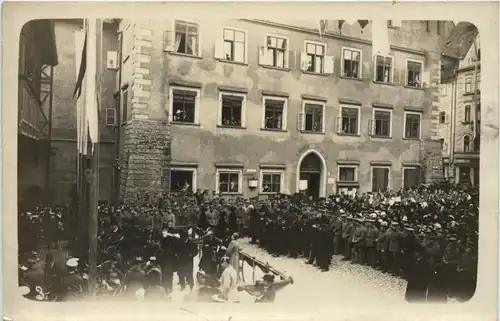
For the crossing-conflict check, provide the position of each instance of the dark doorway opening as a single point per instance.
(179, 179)
(310, 170)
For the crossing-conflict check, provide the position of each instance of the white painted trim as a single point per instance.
(271, 171)
(325, 47)
(359, 115)
(389, 179)
(360, 73)
(229, 170)
(314, 102)
(196, 104)
(246, 40)
(287, 49)
(391, 81)
(404, 124)
(243, 106)
(285, 110)
(421, 62)
(403, 173)
(356, 170)
(188, 169)
(198, 54)
(374, 122)
(323, 176)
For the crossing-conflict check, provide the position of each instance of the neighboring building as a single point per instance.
(220, 105)
(37, 56)
(63, 169)
(460, 130)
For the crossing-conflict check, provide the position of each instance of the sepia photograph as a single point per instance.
(243, 161)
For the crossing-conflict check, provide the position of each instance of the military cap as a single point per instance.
(72, 262)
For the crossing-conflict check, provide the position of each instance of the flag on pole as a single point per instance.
(323, 23)
(79, 92)
(380, 38)
(91, 82)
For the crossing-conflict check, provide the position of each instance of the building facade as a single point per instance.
(247, 107)
(63, 138)
(37, 57)
(460, 111)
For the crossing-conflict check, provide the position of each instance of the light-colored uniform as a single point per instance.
(229, 284)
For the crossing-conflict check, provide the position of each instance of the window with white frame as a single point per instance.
(349, 119)
(275, 110)
(347, 174)
(232, 109)
(229, 181)
(381, 126)
(414, 73)
(234, 45)
(184, 105)
(315, 53)
(271, 181)
(186, 38)
(383, 69)
(182, 179)
(412, 125)
(276, 51)
(380, 178)
(467, 114)
(313, 117)
(468, 85)
(351, 63)
(411, 177)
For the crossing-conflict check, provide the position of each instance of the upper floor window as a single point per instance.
(315, 56)
(232, 109)
(312, 117)
(414, 73)
(467, 144)
(349, 120)
(468, 85)
(275, 111)
(277, 51)
(184, 105)
(467, 115)
(186, 38)
(229, 181)
(234, 45)
(110, 116)
(381, 123)
(383, 69)
(442, 117)
(351, 63)
(412, 125)
(271, 181)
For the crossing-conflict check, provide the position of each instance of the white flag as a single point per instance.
(322, 26)
(380, 38)
(82, 124)
(91, 83)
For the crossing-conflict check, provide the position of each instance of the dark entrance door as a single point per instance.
(310, 170)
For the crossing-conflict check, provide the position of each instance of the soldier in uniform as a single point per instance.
(451, 259)
(393, 245)
(337, 234)
(381, 246)
(347, 230)
(186, 252)
(372, 234)
(73, 283)
(358, 241)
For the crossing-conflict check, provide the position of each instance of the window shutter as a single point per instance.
(339, 125)
(365, 69)
(171, 107)
(262, 56)
(168, 41)
(287, 59)
(337, 65)
(219, 117)
(300, 121)
(219, 48)
(405, 76)
(291, 59)
(303, 61)
(197, 110)
(371, 127)
(243, 113)
(240, 182)
(426, 79)
(217, 182)
(329, 67)
(396, 76)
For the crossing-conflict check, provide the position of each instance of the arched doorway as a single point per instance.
(311, 168)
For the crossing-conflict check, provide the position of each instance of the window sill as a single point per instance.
(232, 62)
(184, 55)
(347, 184)
(467, 123)
(274, 130)
(350, 78)
(381, 137)
(269, 193)
(321, 74)
(310, 132)
(469, 94)
(383, 83)
(230, 127)
(412, 87)
(276, 68)
(416, 138)
(346, 134)
(231, 194)
(184, 124)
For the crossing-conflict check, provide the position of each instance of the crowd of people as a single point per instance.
(427, 235)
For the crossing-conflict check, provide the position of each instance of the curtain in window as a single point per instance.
(178, 39)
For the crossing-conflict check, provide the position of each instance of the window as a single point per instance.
(464, 175)
(349, 119)
(234, 45)
(413, 73)
(183, 179)
(351, 63)
(186, 38)
(271, 181)
(347, 174)
(383, 69)
(467, 144)
(184, 105)
(467, 114)
(232, 110)
(229, 181)
(382, 123)
(468, 85)
(276, 48)
(313, 117)
(442, 117)
(412, 125)
(275, 113)
(110, 116)
(380, 179)
(315, 56)
(411, 177)
(126, 112)
(443, 90)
